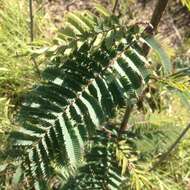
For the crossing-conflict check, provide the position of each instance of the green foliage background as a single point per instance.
(152, 133)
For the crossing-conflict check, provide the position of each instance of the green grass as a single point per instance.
(17, 70)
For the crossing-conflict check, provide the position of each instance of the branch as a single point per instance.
(158, 13)
(172, 147)
(115, 6)
(124, 124)
(155, 20)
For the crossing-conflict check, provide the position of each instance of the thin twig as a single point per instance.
(32, 35)
(115, 6)
(172, 147)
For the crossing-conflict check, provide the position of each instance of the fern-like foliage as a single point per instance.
(123, 163)
(80, 91)
(101, 170)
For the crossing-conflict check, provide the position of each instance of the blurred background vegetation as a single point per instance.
(18, 70)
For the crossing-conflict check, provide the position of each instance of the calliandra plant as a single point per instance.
(98, 68)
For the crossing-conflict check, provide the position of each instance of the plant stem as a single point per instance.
(158, 13)
(32, 35)
(171, 148)
(31, 21)
(124, 124)
(155, 20)
(115, 6)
